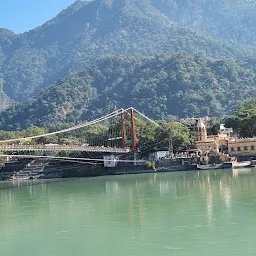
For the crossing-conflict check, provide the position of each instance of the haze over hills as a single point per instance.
(86, 31)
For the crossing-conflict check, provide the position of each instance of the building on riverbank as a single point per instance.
(212, 144)
(223, 142)
(242, 147)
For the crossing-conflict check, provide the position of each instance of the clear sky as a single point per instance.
(23, 15)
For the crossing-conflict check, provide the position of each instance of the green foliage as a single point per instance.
(244, 120)
(67, 99)
(177, 132)
(221, 18)
(150, 137)
(86, 31)
(4, 101)
(160, 86)
(158, 138)
(93, 134)
(213, 126)
(248, 104)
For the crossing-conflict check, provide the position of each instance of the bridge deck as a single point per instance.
(72, 148)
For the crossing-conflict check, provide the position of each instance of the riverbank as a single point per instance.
(50, 169)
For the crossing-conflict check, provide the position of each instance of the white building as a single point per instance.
(224, 130)
(158, 155)
(110, 161)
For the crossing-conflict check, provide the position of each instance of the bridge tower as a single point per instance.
(133, 130)
(133, 135)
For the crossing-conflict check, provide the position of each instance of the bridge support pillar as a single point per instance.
(133, 129)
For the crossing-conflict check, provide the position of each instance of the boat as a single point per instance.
(209, 166)
(23, 177)
(235, 164)
(243, 164)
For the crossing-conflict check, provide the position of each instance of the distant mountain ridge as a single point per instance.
(86, 31)
(228, 19)
(79, 36)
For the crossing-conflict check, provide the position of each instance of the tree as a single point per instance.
(244, 120)
(158, 138)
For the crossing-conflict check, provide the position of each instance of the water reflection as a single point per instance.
(209, 203)
(173, 206)
(129, 188)
(237, 172)
(180, 189)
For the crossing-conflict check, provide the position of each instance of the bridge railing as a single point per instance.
(62, 148)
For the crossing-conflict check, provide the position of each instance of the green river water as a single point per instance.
(185, 213)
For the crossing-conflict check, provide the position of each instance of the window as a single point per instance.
(245, 148)
(232, 149)
(252, 148)
(238, 149)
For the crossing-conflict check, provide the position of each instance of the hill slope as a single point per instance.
(159, 86)
(86, 31)
(228, 19)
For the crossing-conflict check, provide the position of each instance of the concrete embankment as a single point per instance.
(7, 170)
(49, 169)
(85, 170)
(175, 165)
(6, 175)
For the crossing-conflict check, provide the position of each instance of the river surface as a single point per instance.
(185, 213)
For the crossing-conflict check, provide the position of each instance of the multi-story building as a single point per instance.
(242, 147)
(214, 144)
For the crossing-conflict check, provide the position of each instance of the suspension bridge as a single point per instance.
(114, 133)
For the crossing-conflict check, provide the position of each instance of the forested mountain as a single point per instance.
(180, 85)
(3, 98)
(228, 19)
(86, 31)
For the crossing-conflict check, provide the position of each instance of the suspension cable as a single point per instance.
(115, 113)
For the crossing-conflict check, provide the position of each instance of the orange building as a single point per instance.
(214, 144)
(210, 144)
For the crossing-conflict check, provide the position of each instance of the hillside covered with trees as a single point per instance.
(150, 137)
(86, 31)
(160, 86)
(164, 57)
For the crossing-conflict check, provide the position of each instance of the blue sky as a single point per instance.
(23, 15)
